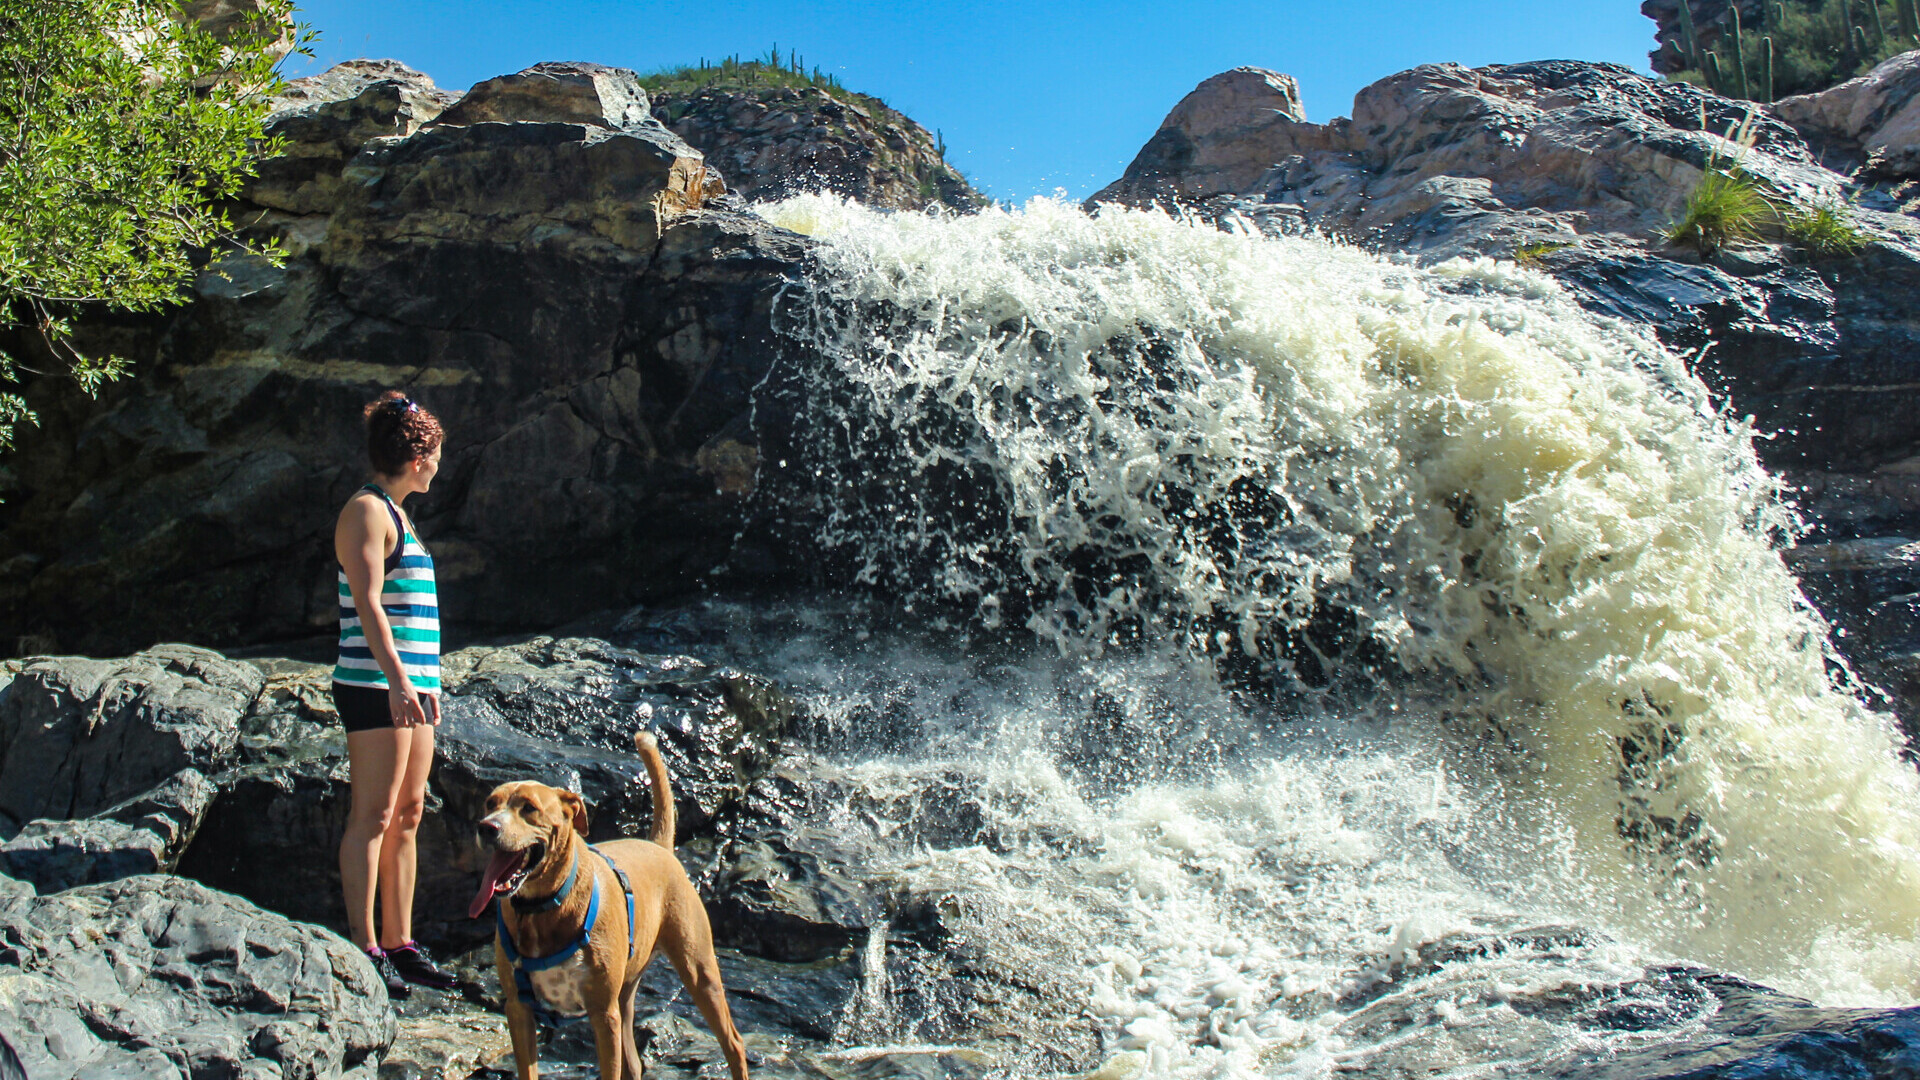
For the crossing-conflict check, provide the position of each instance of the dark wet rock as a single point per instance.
(1412, 1009)
(1870, 588)
(163, 977)
(451, 1034)
(144, 835)
(590, 337)
(78, 736)
(1758, 1034)
(560, 711)
(787, 904)
(720, 729)
(779, 141)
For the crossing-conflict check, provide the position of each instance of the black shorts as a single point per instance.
(362, 708)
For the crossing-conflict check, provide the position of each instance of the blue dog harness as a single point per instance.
(524, 965)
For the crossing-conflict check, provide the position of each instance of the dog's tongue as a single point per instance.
(493, 881)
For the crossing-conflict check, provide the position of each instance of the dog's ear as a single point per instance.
(576, 806)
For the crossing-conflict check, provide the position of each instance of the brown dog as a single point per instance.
(548, 879)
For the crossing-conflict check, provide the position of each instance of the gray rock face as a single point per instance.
(78, 736)
(556, 93)
(1443, 160)
(588, 333)
(145, 835)
(326, 118)
(1872, 121)
(772, 143)
(163, 977)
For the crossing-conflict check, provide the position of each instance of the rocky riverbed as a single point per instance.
(124, 956)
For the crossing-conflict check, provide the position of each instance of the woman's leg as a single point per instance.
(397, 848)
(375, 762)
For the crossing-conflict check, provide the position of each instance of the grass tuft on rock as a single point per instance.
(1824, 229)
(1725, 207)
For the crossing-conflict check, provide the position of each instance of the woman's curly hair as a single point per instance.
(399, 430)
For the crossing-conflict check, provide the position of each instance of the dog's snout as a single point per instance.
(489, 829)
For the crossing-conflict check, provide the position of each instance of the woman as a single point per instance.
(387, 687)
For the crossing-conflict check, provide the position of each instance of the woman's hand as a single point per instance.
(403, 704)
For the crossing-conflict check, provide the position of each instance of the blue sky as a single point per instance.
(1030, 96)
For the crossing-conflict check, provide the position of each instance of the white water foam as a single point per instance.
(1624, 714)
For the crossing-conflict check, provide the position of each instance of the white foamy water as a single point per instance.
(1503, 557)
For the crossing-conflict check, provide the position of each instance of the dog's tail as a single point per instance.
(663, 815)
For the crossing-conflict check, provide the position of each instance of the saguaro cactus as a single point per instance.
(1689, 39)
(1740, 54)
(1767, 44)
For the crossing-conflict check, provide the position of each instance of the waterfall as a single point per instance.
(1488, 590)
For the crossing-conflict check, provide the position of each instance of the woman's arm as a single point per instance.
(360, 543)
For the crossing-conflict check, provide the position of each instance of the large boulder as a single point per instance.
(1221, 137)
(162, 977)
(556, 290)
(777, 141)
(563, 93)
(78, 736)
(1873, 121)
(324, 119)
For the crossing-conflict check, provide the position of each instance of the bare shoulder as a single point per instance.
(363, 513)
(363, 528)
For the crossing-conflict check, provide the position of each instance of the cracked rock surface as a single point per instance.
(163, 977)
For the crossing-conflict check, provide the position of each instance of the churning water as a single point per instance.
(1370, 605)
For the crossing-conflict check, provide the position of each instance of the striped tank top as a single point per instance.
(412, 607)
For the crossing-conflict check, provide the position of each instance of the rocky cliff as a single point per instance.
(539, 260)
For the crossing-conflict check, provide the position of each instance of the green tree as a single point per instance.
(122, 128)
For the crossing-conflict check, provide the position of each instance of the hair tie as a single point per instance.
(404, 404)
